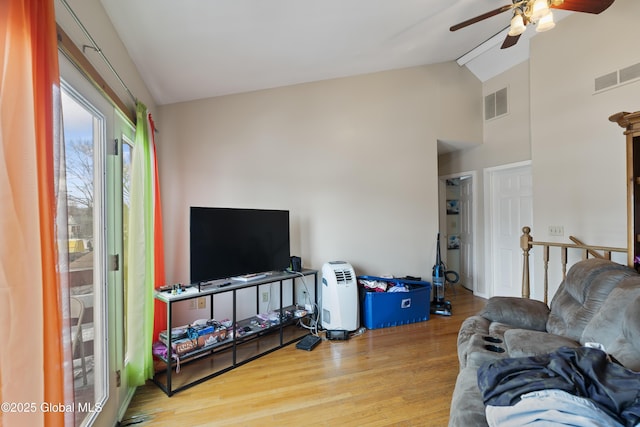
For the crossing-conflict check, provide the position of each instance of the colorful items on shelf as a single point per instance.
(185, 339)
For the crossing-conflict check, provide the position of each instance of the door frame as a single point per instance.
(442, 212)
(489, 191)
(108, 164)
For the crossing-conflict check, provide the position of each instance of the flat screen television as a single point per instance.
(229, 242)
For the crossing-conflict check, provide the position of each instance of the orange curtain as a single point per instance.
(33, 355)
(160, 308)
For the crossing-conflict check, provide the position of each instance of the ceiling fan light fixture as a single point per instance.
(517, 26)
(545, 23)
(539, 9)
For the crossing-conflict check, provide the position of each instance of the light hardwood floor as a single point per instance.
(400, 376)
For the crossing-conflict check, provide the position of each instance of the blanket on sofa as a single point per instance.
(582, 372)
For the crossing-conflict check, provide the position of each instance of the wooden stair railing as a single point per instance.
(593, 253)
(527, 243)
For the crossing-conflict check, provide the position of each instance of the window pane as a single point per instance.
(82, 130)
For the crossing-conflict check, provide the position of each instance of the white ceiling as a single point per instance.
(192, 49)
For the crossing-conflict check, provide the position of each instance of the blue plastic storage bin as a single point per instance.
(385, 309)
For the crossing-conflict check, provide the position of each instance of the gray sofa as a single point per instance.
(598, 301)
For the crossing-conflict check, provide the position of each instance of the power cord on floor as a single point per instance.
(313, 326)
(133, 420)
(361, 330)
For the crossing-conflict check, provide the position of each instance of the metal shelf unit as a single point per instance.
(235, 350)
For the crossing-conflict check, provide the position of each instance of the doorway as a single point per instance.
(457, 225)
(95, 134)
(509, 193)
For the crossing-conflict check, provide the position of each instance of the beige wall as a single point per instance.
(571, 131)
(556, 121)
(578, 156)
(353, 159)
(506, 139)
(459, 103)
(95, 19)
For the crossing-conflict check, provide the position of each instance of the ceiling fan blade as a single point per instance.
(586, 6)
(482, 17)
(510, 41)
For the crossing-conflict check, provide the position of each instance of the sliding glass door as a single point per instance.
(94, 134)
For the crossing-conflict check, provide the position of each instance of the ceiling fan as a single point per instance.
(536, 12)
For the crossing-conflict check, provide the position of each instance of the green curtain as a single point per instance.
(140, 275)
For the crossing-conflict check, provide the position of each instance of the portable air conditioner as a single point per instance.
(340, 309)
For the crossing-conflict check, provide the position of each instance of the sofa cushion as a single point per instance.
(524, 343)
(627, 346)
(497, 329)
(581, 293)
(486, 352)
(517, 312)
(586, 307)
(617, 324)
(467, 407)
(471, 326)
(476, 334)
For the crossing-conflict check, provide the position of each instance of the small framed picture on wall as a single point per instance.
(453, 242)
(452, 207)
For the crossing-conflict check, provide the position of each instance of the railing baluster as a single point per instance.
(563, 259)
(545, 258)
(579, 242)
(527, 243)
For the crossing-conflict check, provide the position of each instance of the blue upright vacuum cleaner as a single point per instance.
(440, 276)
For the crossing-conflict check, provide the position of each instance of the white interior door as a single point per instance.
(458, 225)
(510, 208)
(466, 232)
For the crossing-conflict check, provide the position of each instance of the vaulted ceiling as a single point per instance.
(192, 49)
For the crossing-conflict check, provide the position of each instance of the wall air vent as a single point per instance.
(617, 78)
(630, 73)
(606, 81)
(496, 104)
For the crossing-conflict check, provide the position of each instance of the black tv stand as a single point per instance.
(237, 348)
(249, 277)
